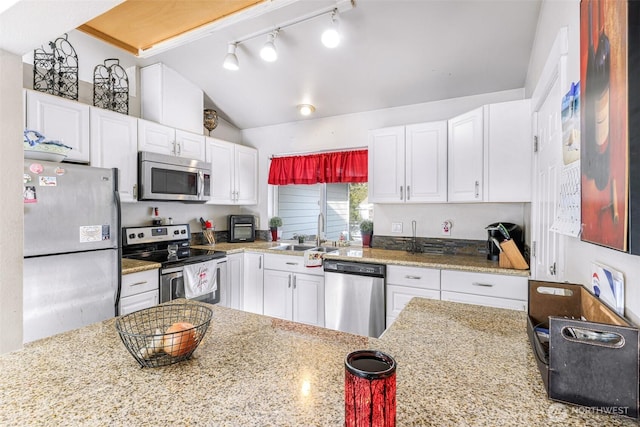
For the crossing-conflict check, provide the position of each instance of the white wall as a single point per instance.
(11, 214)
(555, 14)
(135, 214)
(350, 130)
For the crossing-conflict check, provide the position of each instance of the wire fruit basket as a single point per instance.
(165, 334)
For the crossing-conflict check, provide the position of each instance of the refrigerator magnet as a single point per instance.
(26, 178)
(48, 181)
(29, 194)
(60, 171)
(36, 168)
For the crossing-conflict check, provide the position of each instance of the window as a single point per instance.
(343, 206)
(331, 183)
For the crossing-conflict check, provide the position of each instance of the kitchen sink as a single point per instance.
(302, 248)
(294, 248)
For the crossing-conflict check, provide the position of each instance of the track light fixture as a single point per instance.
(330, 37)
(268, 51)
(231, 60)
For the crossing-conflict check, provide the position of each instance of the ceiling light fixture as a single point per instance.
(231, 60)
(331, 36)
(306, 109)
(268, 51)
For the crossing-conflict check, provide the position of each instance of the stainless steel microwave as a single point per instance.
(164, 177)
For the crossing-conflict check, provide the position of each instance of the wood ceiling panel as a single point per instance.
(136, 25)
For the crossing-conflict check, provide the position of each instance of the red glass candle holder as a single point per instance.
(369, 389)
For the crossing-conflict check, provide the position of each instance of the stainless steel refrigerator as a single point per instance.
(72, 251)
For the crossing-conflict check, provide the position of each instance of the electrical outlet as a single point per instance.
(446, 228)
(396, 227)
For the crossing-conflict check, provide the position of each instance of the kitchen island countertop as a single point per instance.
(478, 264)
(458, 364)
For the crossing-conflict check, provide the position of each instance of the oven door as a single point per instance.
(172, 284)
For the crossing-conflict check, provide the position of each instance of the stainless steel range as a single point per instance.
(169, 246)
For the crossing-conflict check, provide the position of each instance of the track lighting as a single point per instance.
(331, 36)
(268, 51)
(306, 109)
(231, 60)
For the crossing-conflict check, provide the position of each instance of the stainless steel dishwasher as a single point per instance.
(354, 297)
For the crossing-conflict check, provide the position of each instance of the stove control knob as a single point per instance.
(141, 235)
(183, 231)
(176, 232)
(132, 236)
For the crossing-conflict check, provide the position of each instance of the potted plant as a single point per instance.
(366, 230)
(274, 223)
(300, 237)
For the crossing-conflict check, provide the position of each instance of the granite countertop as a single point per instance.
(478, 264)
(458, 365)
(130, 266)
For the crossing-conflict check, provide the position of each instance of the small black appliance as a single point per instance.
(495, 236)
(242, 228)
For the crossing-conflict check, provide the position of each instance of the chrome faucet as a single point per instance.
(320, 228)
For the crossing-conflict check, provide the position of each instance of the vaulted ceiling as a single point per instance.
(393, 52)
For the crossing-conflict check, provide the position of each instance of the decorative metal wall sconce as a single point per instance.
(210, 119)
(56, 72)
(111, 86)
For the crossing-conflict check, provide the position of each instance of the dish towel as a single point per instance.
(200, 279)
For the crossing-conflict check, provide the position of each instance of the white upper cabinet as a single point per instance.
(465, 157)
(408, 164)
(508, 152)
(426, 162)
(158, 138)
(62, 120)
(386, 165)
(190, 145)
(234, 173)
(170, 99)
(114, 145)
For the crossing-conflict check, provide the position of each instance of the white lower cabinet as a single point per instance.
(293, 291)
(404, 283)
(493, 290)
(139, 290)
(253, 282)
(234, 298)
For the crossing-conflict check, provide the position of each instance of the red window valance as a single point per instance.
(333, 167)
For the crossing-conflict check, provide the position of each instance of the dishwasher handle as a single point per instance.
(354, 268)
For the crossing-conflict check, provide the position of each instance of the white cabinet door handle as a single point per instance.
(484, 285)
(139, 283)
(413, 277)
(477, 189)
(408, 192)
(294, 281)
(289, 285)
(401, 196)
(292, 263)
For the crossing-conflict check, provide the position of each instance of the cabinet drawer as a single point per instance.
(512, 304)
(290, 263)
(399, 296)
(139, 301)
(492, 285)
(416, 277)
(136, 283)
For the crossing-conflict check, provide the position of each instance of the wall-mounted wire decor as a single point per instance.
(111, 86)
(56, 72)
